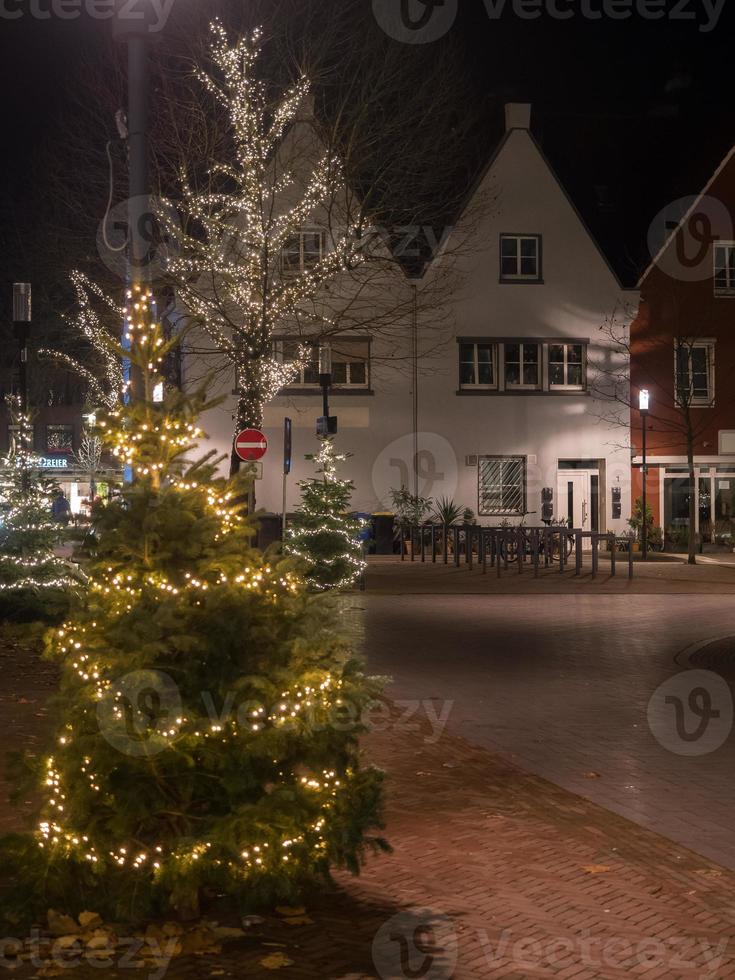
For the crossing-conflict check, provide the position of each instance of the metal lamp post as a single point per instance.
(644, 404)
(22, 326)
(326, 425)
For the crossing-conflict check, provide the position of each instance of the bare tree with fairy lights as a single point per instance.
(278, 251)
(230, 275)
(96, 322)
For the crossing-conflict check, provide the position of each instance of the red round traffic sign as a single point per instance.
(250, 445)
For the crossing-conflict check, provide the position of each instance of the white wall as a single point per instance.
(578, 293)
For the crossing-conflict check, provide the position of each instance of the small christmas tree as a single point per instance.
(208, 742)
(324, 535)
(33, 579)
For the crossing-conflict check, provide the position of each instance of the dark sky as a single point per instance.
(629, 111)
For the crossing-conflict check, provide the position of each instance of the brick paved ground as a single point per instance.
(390, 576)
(561, 685)
(517, 877)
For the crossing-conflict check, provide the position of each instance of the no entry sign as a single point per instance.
(250, 445)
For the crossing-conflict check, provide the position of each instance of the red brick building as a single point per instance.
(683, 352)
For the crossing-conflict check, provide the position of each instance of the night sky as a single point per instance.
(631, 113)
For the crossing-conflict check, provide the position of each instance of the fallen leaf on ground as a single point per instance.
(90, 920)
(592, 775)
(276, 961)
(709, 872)
(287, 911)
(225, 933)
(596, 869)
(51, 970)
(61, 925)
(299, 920)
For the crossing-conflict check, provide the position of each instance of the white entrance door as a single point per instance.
(574, 500)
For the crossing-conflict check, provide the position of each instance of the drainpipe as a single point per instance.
(415, 367)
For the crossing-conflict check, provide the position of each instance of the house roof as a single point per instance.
(620, 172)
(688, 213)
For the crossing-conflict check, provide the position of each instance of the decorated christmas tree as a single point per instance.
(207, 742)
(33, 580)
(323, 535)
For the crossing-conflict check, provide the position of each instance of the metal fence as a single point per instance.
(506, 548)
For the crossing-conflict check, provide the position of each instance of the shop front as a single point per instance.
(714, 492)
(79, 485)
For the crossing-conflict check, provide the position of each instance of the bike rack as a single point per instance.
(494, 546)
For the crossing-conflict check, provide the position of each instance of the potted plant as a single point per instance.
(447, 513)
(635, 521)
(410, 510)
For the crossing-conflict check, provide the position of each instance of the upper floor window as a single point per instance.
(60, 438)
(350, 362)
(302, 252)
(478, 365)
(520, 258)
(522, 366)
(566, 365)
(695, 381)
(724, 268)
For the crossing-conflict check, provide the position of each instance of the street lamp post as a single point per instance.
(133, 28)
(327, 424)
(22, 326)
(644, 404)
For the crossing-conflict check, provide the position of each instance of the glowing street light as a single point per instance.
(644, 404)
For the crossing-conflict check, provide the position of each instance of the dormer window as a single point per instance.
(520, 258)
(302, 252)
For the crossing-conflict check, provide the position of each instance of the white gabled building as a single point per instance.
(501, 417)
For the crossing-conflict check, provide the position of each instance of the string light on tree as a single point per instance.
(149, 802)
(229, 275)
(28, 534)
(323, 534)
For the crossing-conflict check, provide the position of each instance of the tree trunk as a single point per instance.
(692, 499)
(249, 405)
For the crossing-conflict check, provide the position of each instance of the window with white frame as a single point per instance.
(694, 365)
(566, 366)
(302, 252)
(350, 362)
(724, 253)
(478, 365)
(520, 258)
(522, 365)
(502, 488)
